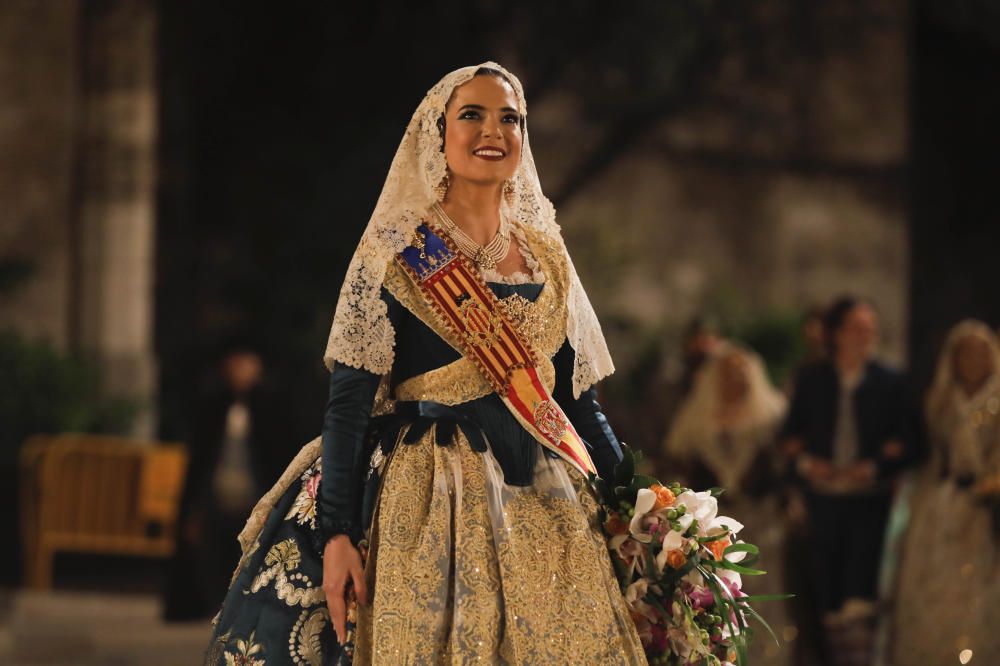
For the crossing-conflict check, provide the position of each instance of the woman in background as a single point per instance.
(949, 596)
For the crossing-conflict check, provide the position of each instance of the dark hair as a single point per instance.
(482, 71)
(835, 315)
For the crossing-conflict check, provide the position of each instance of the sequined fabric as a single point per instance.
(464, 568)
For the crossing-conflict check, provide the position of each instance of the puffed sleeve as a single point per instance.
(585, 414)
(344, 465)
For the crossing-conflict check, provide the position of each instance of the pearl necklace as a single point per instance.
(485, 256)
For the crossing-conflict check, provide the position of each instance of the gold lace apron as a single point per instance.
(463, 567)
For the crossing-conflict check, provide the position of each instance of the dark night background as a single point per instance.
(179, 176)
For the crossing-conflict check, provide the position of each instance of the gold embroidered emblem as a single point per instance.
(522, 313)
(481, 327)
(549, 421)
(419, 243)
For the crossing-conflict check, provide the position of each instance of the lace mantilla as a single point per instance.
(361, 335)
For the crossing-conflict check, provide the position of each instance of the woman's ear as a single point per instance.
(441, 127)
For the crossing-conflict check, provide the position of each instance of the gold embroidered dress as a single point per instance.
(483, 545)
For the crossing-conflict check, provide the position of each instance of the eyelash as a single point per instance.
(474, 115)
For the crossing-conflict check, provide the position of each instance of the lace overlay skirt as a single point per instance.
(465, 568)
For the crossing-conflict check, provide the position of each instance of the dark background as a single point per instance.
(277, 128)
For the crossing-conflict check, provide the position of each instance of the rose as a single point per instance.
(676, 558)
(664, 497)
(615, 525)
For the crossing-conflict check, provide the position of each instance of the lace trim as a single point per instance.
(361, 335)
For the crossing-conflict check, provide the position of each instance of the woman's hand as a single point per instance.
(342, 567)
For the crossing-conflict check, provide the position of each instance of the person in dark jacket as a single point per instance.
(237, 450)
(849, 432)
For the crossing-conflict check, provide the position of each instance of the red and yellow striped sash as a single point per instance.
(468, 307)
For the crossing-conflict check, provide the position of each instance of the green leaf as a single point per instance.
(742, 548)
(755, 615)
(625, 470)
(640, 481)
(717, 537)
(746, 571)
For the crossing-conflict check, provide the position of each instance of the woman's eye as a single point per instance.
(511, 118)
(469, 115)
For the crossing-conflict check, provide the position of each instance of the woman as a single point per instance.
(725, 429)
(949, 561)
(724, 436)
(461, 311)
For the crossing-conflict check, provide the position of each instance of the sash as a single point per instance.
(470, 309)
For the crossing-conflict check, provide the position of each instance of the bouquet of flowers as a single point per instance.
(680, 567)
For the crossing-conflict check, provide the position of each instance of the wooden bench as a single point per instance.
(97, 494)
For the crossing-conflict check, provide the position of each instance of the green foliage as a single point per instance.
(44, 391)
(776, 336)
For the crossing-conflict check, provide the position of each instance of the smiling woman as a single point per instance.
(445, 514)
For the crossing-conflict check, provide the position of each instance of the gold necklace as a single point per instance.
(485, 256)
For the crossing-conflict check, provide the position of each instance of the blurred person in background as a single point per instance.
(725, 428)
(699, 341)
(850, 430)
(724, 435)
(949, 584)
(236, 453)
(813, 335)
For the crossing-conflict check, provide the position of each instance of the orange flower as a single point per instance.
(664, 496)
(719, 547)
(615, 525)
(676, 558)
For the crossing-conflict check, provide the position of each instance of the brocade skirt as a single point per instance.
(462, 568)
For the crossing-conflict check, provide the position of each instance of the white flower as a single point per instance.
(644, 502)
(719, 522)
(636, 591)
(731, 576)
(672, 541)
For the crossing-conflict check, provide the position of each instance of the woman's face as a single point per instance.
(973, 362)
(482, 138)
(734, 377)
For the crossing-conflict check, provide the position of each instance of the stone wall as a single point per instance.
(782, 190)
(77, 140)
(38, 116)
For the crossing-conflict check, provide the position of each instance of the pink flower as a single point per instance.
(312, 484)
(701, 597)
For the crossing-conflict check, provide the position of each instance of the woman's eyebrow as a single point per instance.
(480, 107)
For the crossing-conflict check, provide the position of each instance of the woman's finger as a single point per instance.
(338, 613)
(360, 590)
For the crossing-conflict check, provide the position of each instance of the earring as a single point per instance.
(508, 191)
(441, 189)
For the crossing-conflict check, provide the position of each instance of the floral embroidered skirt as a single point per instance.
(462, 568)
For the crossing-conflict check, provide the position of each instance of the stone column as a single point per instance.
(114, 227)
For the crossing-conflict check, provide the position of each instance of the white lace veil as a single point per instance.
(945, 382)
(362, 336)
(696, 418)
